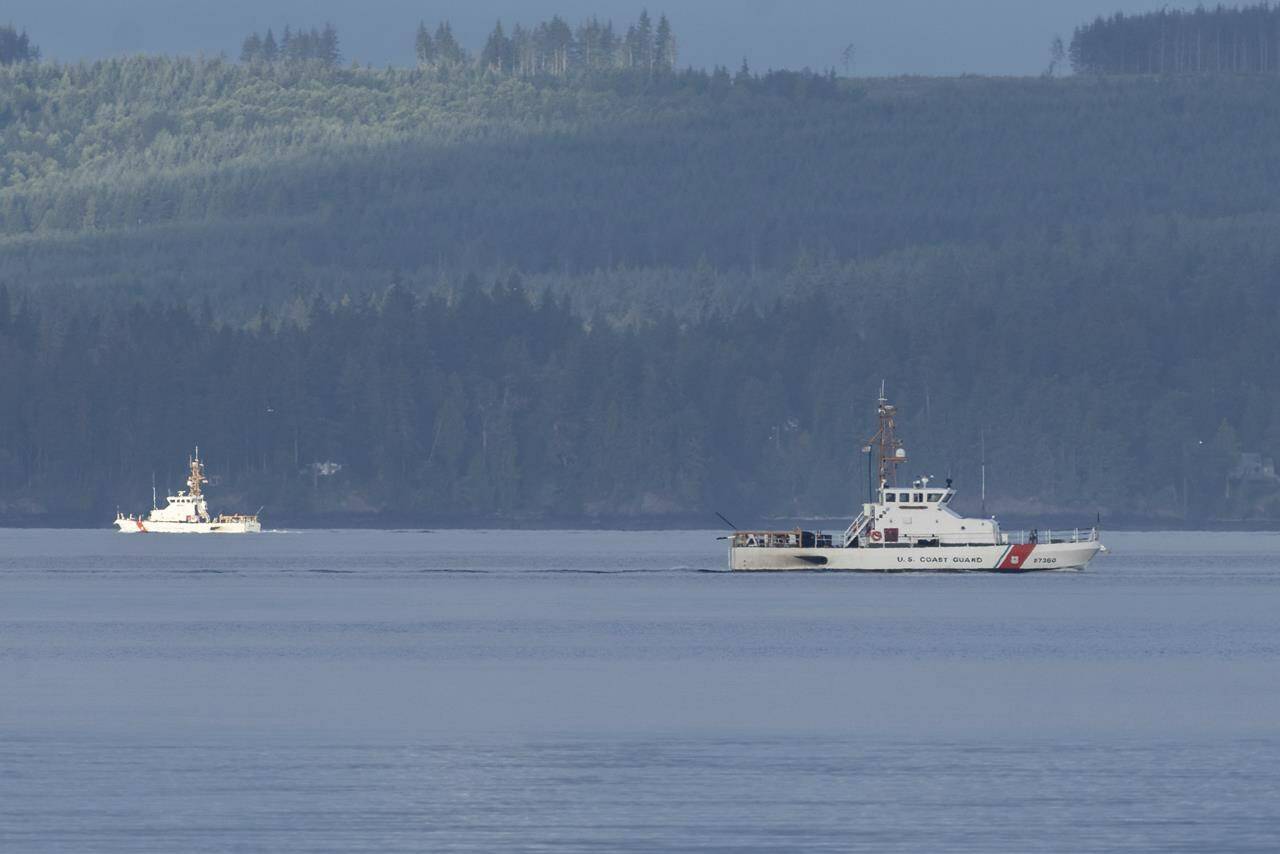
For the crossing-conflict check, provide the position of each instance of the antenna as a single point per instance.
(726, 521)
(153, 491)
(984, 472)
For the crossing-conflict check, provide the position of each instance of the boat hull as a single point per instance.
(1001, 558)
(144, 526)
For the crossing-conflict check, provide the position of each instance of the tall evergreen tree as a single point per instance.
(270, 50)
(608, 46)
(644, 41)
(16, 46)
(664, 46)
(496, 50)
(630, 50)
(330, 54)
(251, 48)
(559, 45)
(523, 51)
(448, 51)
(424, 46)
(587, 41)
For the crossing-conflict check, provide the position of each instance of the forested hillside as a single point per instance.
(176, 177)
(1091, 387)
(294, 263)
(1087, 394)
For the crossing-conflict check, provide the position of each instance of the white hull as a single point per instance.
(1002, 558)
(145, 526)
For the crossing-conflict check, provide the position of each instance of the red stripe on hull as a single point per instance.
(1017, 557)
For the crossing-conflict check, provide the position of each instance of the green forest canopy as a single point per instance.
(181, 176)
(490, 403)
(716, 271)
(1089, 390)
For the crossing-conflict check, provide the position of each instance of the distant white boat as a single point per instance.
(911, 528)
(187, 512)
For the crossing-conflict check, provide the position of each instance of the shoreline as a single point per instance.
(673, 522)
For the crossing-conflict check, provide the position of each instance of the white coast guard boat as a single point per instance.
(187, 512)
(911, 528)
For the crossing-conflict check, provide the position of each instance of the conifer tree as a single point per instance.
(425, 46)
(16, 46)
(496, 50)
(630, 49)
(644, 41)
(251, 48)
(330, 54)
(608, 46)
(523, 52)
(559, 45)
(664, 46)
(270, 50)
(448, 51)
(308, 42)
(587, 42)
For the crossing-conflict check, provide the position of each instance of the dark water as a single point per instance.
(464, 691)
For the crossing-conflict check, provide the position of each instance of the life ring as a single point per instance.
(875, 536)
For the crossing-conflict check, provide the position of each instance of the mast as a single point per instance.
(197, 474)
(885, 444)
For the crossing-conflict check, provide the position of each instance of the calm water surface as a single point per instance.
(550, 691)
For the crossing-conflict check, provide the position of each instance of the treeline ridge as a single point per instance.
(1223, 39)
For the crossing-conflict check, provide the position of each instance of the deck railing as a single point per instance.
(1036, 536)
(781, 540)
(798, 539)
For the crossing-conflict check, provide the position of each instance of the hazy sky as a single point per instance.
(890, 36)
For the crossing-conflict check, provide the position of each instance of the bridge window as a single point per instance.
(935, 497)
(890, 497)
(919, 497)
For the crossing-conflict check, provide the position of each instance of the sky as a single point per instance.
(890, 37)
